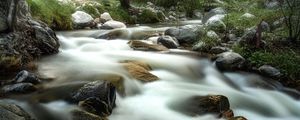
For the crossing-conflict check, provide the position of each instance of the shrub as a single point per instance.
(56, 15)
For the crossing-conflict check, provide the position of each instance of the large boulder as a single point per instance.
(24, 39)
(200, 105)
(186, 34)
(229, 61)
(113, 25)
(10, 111)
(95, 94)
(82, 19)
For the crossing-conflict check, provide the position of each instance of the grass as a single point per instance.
(56, 15)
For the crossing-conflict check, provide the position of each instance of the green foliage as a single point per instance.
(92, 8)
(53, 13)
(286, 60)
(206, 43)
(148, 16)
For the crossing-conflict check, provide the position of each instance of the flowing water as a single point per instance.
(84, 58)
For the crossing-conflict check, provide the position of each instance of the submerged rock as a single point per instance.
(229, 61)
(113, 25)
(95, 94)
(19, 88)
(26, 77)
(200, 105)
(139, 70)
(146, 46)
(269, 71)
(13, 112)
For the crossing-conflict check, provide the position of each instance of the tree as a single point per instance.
(290, 10)
(125, 4)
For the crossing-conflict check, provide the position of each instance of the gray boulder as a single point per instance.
(213, 12)
(168, 41)
(269, 71)
(229, 61)
(82, 19)
(186, 34)
(10, 111)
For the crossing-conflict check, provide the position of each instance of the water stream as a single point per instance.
(84, 58)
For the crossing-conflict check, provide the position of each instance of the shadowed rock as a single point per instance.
(21, 38)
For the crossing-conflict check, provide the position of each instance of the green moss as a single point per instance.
(53, 13)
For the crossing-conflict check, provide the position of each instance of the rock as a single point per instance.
(83, 115)
(219, 49)
(213, 12)
(154, 39)
(168, 41)
(146, 46)
(185, 34)
(200, 105)
(229, 61)
(97, 21)
(104, 17)
(248, 15)
(113, 25)
(139, 63)
(115, 34)
(10, 111)
(82, 19)
(215, 23)
(18, 88)
(247, 38)
(139, 71)
(95, 106)
(26, 77)
(24, 40)
(97, 93)
(269, 71)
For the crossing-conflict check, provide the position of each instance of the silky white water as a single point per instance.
(89, 59)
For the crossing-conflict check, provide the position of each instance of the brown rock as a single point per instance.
(238, 118)
(139, 70)
(83, 115)
(144, 46)
(199, 105)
